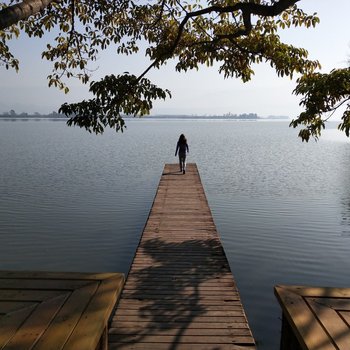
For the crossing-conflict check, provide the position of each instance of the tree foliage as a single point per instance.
(322, 95)
(234, 35)
(113, 96)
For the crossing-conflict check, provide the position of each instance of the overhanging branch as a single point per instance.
(12, 14)
(247, 10)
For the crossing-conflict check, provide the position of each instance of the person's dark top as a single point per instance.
(182, 148)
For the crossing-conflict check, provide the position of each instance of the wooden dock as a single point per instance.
(56, 310)
(314, 318)
(180, 293)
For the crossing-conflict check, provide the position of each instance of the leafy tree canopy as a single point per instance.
(322, 95)
(234, 34)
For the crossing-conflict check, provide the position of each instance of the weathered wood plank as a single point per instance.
(11, 306)
(182, 317)
(180, 288)
(185, 339)
(156, 326)
(45, 284)
(46, 275)
(129, 330)
(345, 315)
(35, 325)
(67, 318)
(204, 312)
(180, 299)
(328, 316)
(41, 312)
(209, 286)
(314, 316)
(10, 323)
(179, 346)
(87, 333)
(175, 293)
(25, 295)
(179, 279)
(130, 304)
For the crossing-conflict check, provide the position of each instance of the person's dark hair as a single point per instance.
(182, 139)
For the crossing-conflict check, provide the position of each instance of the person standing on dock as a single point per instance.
(182, 149)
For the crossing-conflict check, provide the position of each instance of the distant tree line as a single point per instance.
(12, 114)
(244, 116)
(241, 116)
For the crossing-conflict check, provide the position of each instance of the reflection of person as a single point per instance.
(182, 148)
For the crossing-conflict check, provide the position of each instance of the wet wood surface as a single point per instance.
(180, 292)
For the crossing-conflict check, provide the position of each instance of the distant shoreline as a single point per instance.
(219, 117)
(163, 117)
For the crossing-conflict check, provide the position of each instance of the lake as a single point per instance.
(72, 201)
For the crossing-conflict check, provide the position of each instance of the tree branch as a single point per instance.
(247, 9)
(12, 14)
(335, 108)
(162, 5)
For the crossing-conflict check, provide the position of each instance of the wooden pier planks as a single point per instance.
(314, 318)
(56, 310)
(180, 293)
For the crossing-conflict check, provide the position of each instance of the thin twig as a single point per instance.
(336, 107)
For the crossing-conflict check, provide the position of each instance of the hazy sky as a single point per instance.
(202, 92)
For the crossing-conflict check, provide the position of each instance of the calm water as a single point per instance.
(71, 201)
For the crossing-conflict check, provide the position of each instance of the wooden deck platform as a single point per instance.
(180, 293)
(314, 318)
(56, 311)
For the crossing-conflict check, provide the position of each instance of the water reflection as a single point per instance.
(345, 202)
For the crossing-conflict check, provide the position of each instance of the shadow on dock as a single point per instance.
(180, 293)
(187, 296)
(173, 173)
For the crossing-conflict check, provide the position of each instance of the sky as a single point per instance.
(203, 92)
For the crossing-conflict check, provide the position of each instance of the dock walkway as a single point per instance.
(180, 292)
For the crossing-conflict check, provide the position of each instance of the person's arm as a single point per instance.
(188, 150)
(177, 148)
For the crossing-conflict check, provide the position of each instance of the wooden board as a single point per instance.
(49, 310)
(180, 292)
(317, 316)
